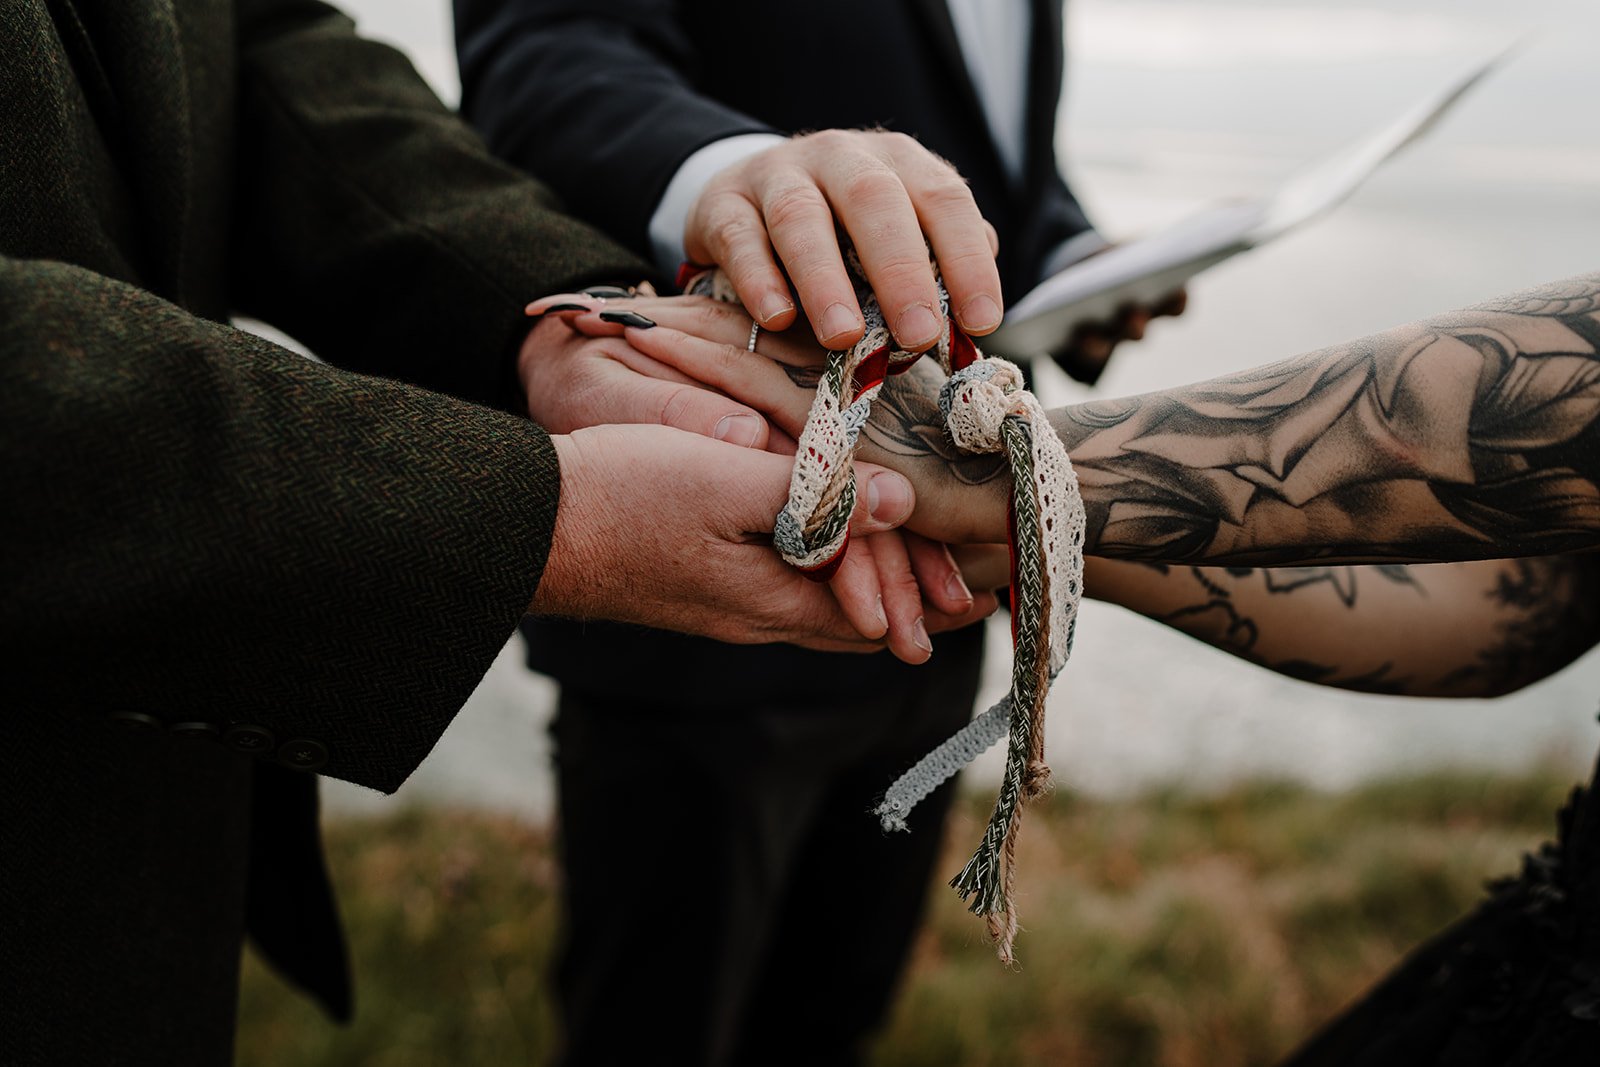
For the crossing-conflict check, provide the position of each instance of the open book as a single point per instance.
(1145, 270)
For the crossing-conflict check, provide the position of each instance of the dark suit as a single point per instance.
(224, 565)
(604, 100)
(774, 754)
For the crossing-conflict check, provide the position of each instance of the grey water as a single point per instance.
(1171, 105)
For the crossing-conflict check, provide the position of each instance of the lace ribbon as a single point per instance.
(986, 409)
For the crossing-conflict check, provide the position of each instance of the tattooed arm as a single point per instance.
(1474, 629)
(1471, 435)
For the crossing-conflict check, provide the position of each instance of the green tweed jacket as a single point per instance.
(223, 565)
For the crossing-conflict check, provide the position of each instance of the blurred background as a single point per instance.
(1232, 854)
(1170, 107)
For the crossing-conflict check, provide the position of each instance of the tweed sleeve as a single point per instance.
(232, 534)
(373, 225)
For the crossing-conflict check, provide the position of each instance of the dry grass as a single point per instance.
(1166, 931)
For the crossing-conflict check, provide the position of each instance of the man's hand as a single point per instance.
(898, 590)
(892, 196)
(667, 529)
(1087, 352)
(961, 498)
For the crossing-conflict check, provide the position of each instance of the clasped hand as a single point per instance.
(671, 529)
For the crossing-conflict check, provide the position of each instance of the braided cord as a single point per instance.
(987, 878)
(986, 409)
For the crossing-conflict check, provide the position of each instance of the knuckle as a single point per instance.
(900, 144)
(726, 231)
(904, 275)
(674, 406)
(709, 316)
(726, 360)
(872, 183)
(965, 261)
(796, 204)
(948, 195)
(750, 265)
(831, 140)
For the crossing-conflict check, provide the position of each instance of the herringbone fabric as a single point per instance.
(202, 528)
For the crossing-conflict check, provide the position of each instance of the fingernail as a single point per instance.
(916, 326)
(837, 320)
(627, 318)
(919, 636)
(563, 307)
(980, 313)
(773, 305)
(956, 589)
(604, 291)
(741, 430)
(888, 497)
(883, 618)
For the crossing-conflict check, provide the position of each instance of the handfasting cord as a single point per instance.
(986, 409)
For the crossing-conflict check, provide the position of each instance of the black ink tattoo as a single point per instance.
(906, 422)
(1217, 619)
(1467, 436)
(1548, 614)
(804, 377)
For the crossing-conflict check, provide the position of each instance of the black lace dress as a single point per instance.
(1514, 984)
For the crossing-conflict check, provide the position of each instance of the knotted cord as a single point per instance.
(986, 409)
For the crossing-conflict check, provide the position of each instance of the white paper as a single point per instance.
(1145, 270)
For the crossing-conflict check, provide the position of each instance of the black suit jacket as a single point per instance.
(218, 560)
(604, 99)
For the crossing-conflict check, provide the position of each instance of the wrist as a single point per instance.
(567, 566)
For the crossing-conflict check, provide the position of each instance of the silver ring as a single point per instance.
(755, 329)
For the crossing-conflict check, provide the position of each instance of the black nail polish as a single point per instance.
(605, 291)
(566, 307)
(627, 318)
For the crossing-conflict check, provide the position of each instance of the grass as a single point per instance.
(1163, 931)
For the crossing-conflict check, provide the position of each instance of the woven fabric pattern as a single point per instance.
(987, 409)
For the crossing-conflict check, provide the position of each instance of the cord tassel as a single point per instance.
(986, 409)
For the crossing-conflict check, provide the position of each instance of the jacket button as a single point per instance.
(135, 722)
(303, 754)
(199, 731)
(248, 737)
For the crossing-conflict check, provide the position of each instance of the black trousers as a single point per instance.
(729, 897)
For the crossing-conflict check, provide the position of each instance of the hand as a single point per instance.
(667, 529)
(1088, 351)
(572, 381)
(961, 498)
(598, 378)
(892, 196)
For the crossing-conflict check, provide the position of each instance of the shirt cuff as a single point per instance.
(666, 225)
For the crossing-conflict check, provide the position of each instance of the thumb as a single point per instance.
(688, 407)
(884, 498)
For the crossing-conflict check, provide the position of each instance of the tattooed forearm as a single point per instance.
(806, 377)
(1467, 436)
(1479, 628)
(1230, 608)
(906, 423)
(1547, 614)
(1473, 435)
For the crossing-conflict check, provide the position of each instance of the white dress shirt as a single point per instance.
(994, 42)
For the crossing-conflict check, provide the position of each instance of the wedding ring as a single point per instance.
(755, 329)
